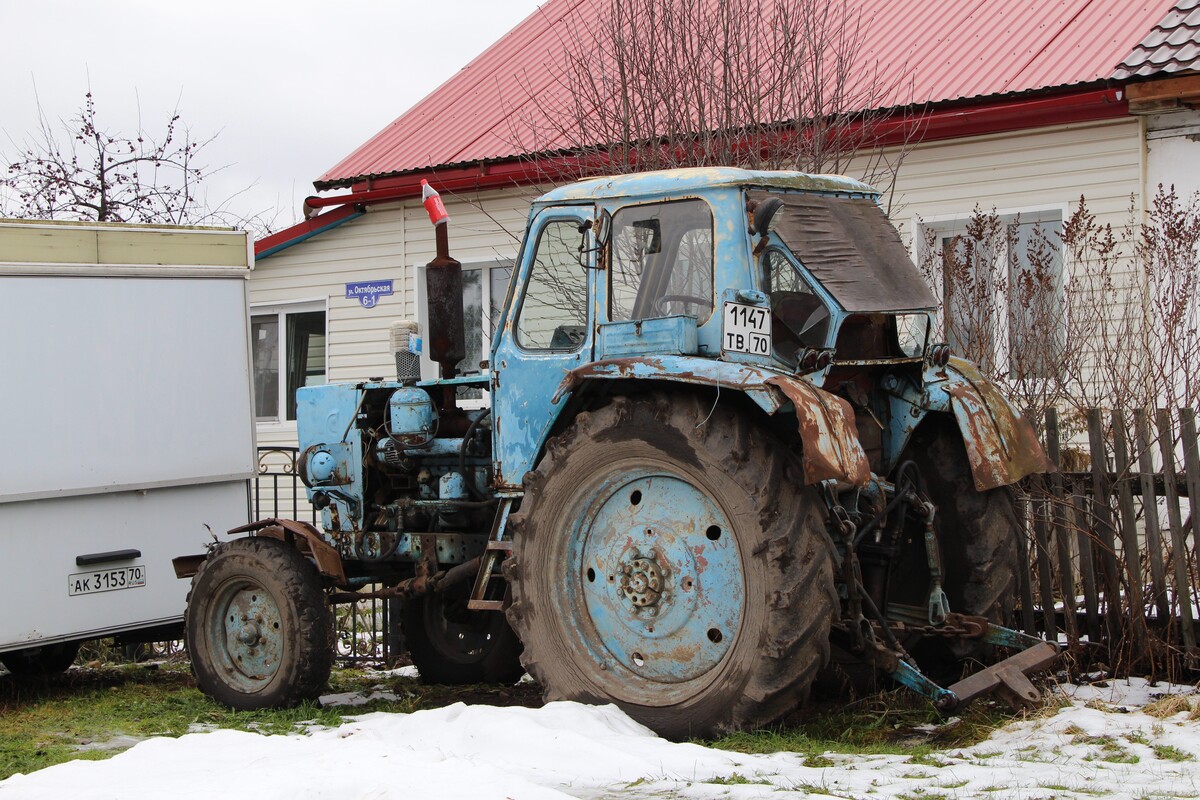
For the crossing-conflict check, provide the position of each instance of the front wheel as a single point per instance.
(666, 558)
(257, 625)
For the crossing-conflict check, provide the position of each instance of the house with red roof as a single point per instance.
(1020, 106)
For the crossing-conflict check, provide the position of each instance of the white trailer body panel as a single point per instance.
(127, 417)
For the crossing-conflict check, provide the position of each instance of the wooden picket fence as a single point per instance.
(1111, 544)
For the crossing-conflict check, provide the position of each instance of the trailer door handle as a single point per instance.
(104, 558)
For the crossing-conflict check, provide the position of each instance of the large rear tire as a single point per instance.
(258, 627)
(667, 558)
(454, 646)
(977, 534)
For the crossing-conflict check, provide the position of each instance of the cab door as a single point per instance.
(547, 331)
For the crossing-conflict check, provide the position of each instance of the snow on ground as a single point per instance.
(1102, 744)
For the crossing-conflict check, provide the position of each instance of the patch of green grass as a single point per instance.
(819, 761)
(929, 760)
(1059, 787)
(737, 779)
(1168, 753)
(895, 723)
(954, 785)
(45, 722)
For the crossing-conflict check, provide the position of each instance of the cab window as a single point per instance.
(799, 317)
(662, 261)
(553, 312)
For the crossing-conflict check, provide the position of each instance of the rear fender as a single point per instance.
(831, 450)
(1001, 445)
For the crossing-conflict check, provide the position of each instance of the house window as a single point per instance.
(484, 289)
(1003, 289)
(289, 352)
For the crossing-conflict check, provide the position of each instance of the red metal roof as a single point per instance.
(1172, 46)
(951, 51)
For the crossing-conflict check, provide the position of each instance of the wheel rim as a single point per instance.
(245, 634)
(657, 576)
(462, 641)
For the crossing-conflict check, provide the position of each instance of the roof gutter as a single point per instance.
(903, 127)
(270, 245)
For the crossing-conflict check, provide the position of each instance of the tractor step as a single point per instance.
(496, 550)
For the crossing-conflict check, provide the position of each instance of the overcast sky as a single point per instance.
(290, 87)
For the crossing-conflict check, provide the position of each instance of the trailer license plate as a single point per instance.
(747, 329)
(106, 580)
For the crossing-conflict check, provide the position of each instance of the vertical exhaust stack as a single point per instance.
(443, 292)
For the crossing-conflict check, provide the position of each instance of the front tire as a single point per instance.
(257, 626)
(666, 558)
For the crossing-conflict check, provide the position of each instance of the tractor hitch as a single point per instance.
(1007, 678)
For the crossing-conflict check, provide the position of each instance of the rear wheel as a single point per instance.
(451, 645)
(258, 628)
(36, 662)
(977, 536)
(667, 559)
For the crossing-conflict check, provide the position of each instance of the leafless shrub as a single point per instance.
(78, 169)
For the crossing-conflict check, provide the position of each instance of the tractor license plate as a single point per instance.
(747, 329)
(106, 580)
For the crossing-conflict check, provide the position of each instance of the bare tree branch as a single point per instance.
(79, 170)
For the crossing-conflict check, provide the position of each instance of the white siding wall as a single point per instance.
(1024, 172)
(1051, 167)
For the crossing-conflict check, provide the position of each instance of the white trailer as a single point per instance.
(127, 425)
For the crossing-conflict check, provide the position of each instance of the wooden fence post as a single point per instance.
(1154, 547)
(1166, 444)
(1023, 509)
(1105, 530)
(1130, 552)
(1191, 462)
(1041, 512)
(1059, 524)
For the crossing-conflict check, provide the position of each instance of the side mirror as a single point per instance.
(767, 216)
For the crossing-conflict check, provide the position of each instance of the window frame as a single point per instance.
(429, 369)
(281, 311)
(519, 301)
(946, 225)
(611, 255)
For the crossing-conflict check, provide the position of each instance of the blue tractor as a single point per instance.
(722, 460)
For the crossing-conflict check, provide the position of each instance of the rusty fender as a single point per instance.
(1001, 444)
(826, 423)
(307, 540)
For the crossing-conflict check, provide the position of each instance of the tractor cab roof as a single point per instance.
(673, 182)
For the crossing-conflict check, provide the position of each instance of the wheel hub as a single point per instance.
(247, 639)
(249, 634)
(662, 584)
(642, 581)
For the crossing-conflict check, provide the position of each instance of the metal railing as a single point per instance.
(368, 631)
